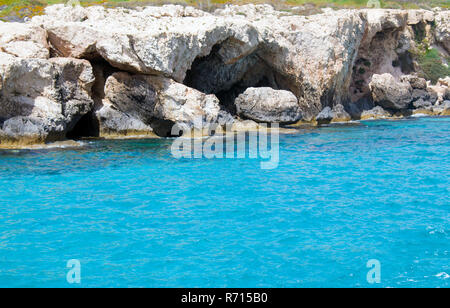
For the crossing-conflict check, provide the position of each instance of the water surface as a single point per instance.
(137, 217)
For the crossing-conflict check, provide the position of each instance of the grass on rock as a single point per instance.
(28, 8)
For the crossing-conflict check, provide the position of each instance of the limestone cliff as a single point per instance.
(105, 72)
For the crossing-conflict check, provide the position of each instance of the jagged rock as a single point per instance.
(446, 108)
(225, 118)
(318, 58)
(325, 116)
(442, 109)
(313, 57)
(425, 95)
(443, 29)
(133, 95)
(23, 131)
(440, 89)
(390, 93)
(268, 105)
(422, 104)
(144, 99)
(23, 40)
(335, 115)
(415, 82)
(375, 113)
(446, 95)
(340, 114)
(147, 40)
(47, 97)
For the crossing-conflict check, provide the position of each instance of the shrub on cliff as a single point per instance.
(432, 65)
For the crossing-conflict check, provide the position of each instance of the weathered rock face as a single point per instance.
(153, 40)
(390, 93)
(443, 29)
(138, 102)
(42, 99)
(22, 40)
(176, 64)
(313, 58)
(268, 105)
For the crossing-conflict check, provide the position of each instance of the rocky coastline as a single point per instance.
(111, 73)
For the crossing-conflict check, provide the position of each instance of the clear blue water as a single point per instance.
(136, 217)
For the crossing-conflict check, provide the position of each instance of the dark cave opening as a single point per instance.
(211, 75)
(86, 127)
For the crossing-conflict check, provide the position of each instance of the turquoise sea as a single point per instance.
(134, 216)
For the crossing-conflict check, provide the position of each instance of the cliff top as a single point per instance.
(18, 10)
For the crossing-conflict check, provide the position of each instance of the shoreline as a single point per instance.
(286, 130)
(116, 73)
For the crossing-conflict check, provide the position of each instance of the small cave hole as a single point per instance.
(86, 127)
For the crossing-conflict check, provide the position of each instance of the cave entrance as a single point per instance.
(212, 75)
(86, 127)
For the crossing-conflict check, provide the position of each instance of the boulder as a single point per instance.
(440, 89)
(390, 93)
(375, 113)
(268, 105)
(23, 40)
(340, 114)
(335, 115)
(46, 97)
(325, 116)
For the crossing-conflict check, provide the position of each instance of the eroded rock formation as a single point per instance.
(113, 72)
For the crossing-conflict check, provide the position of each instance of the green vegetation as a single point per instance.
(23, 8)
(432, 66)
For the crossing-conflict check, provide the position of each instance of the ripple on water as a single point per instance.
(135, 216)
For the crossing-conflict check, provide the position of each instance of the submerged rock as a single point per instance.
(268, 105)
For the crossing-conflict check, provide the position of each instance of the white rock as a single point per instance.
(23, 40)
(268, 105)
(52, 94)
